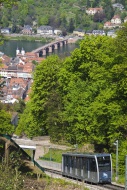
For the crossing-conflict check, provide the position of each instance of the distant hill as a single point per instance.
(66, 15)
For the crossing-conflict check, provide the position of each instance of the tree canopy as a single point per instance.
(82, 98)
(65, 15)
(5, 123)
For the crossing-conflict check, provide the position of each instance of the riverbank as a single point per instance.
(40, 38)
(21, 37)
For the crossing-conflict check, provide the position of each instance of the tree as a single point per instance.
(5, 22)
(71, 25)
(5, 123)
(8, 2)
(15, 29)
(99, 17)
(28, 20)
(121, 44)
(91, 64)
(55, 21)
(63, 21)
(43, 20)
(38, 112)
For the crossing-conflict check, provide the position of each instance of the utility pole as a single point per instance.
(117, 166)
(126, 173)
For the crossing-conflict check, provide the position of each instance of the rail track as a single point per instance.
(58, 174)
(114, 186)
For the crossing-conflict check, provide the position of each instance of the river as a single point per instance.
(9, 47)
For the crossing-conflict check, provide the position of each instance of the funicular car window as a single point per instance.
(81, 163)
(93, 167)
(85, 163)
(72, 161)
(104, 163)
(75, 161)
(78, 162)
(66, 161)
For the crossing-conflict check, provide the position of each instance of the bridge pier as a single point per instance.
(50, 49)
(44, 51)
(65, 42)
(55, 46)
(61, 44)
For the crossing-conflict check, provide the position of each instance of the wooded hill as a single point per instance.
(66, 15)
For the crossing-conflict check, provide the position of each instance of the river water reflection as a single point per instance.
(9, 48)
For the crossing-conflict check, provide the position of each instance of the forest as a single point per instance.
(66, 15)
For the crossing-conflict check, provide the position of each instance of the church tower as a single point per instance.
(17, 51)
(23, 51)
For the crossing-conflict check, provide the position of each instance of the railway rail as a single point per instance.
(58, 174)
(114, 186)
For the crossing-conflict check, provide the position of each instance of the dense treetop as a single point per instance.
(82, 98)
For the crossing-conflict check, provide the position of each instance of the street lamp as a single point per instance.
(50, 153)
(116, 144)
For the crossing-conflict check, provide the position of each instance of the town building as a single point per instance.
(27, 29)
(118, 6)
(108, 25)
(45, 30)
(5, 30)
(79, 32)
(17, 74)
(93, 11)
(111, 33)
(98, 32)
(116, 20)
(125, 19)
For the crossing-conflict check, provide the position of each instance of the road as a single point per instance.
(70, 37)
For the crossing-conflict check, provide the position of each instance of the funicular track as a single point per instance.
(114, 186)
(54, 171)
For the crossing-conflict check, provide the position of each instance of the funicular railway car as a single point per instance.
(94, 168)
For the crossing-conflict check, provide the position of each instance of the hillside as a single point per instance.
(63, 14)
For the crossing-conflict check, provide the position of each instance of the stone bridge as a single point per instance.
(49, 48)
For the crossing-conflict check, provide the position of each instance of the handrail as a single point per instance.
(9, 137)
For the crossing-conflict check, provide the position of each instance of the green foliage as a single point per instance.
(2, 39)
(10, 176)
(82, 98)
(58, 14)
(19, 107)
(37, 111)
(5, 123)
(27, 124)
(10, 179)
(8, 2)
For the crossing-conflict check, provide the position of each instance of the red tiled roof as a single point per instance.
(108, 23)
(116, 16)
(19, 81)
(96, 8)
(28, 67)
